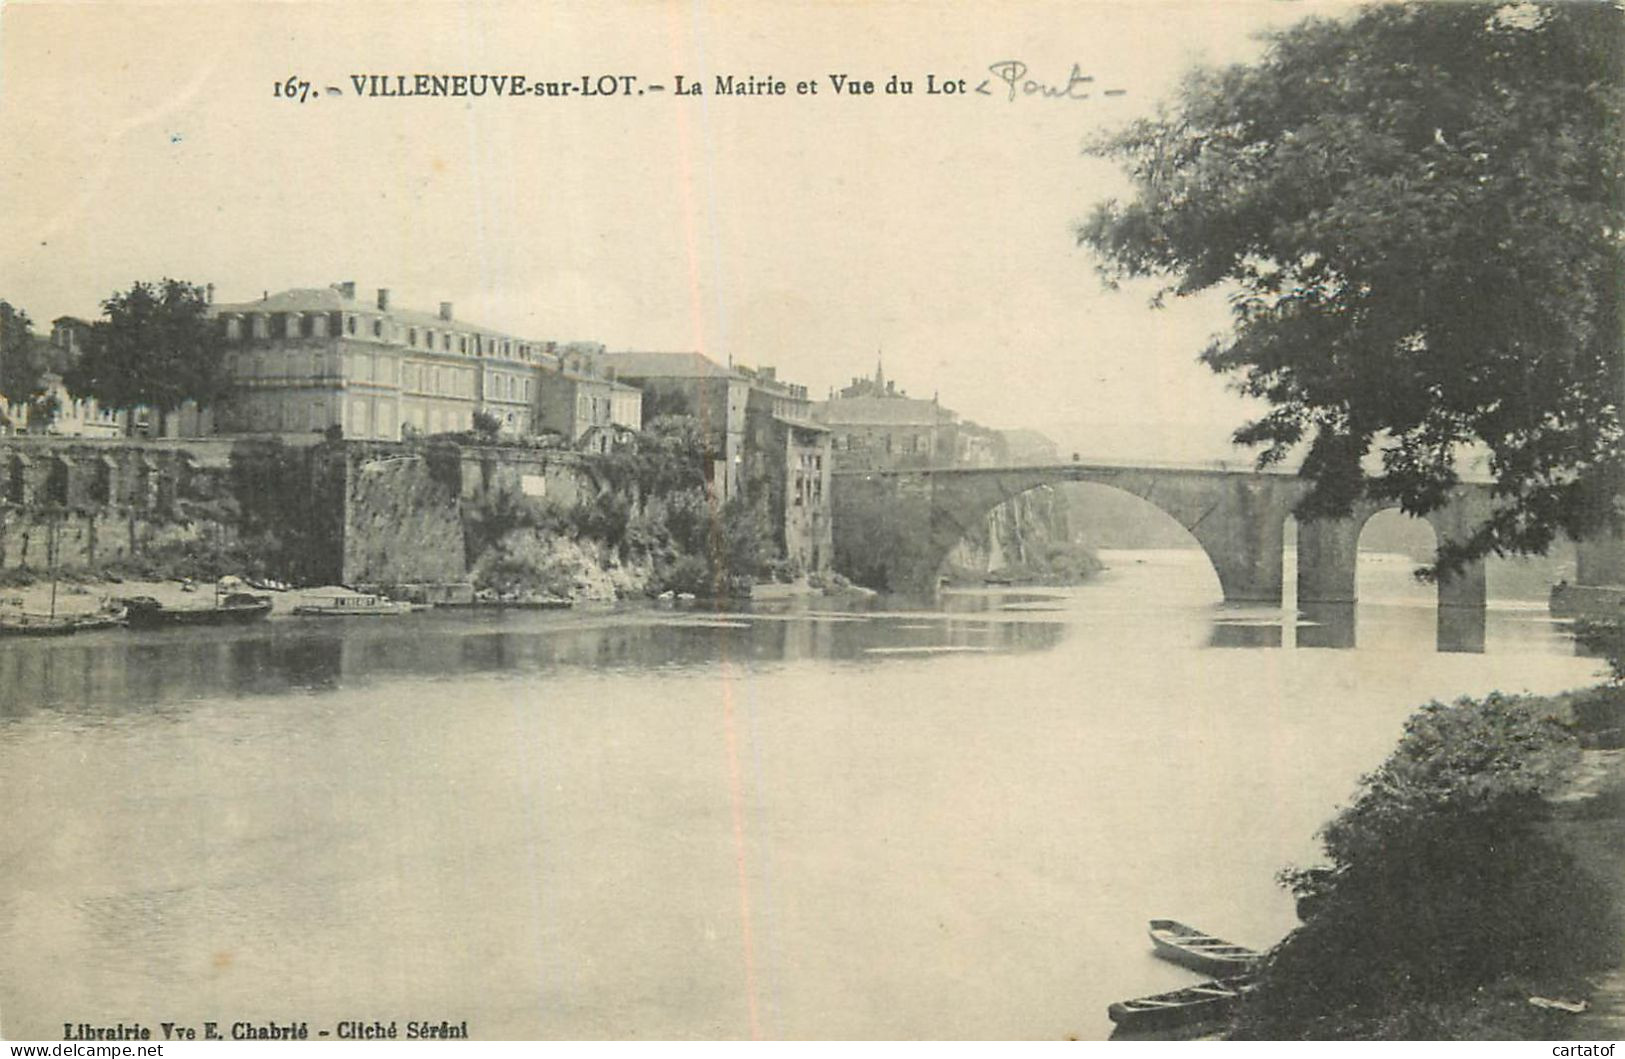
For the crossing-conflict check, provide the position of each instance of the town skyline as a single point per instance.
(937, 233)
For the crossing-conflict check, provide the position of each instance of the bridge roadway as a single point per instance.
(895, 526)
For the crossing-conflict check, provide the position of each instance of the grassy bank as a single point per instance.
(1480, 866)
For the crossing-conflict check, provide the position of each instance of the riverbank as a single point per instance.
(85, 596)
(1475, 888)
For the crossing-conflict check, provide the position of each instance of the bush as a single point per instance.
(1439, 885)
(507, 574)
(685, 573)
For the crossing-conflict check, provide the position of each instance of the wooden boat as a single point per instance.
(1205, 1002)
(234, 608)
(38, 625)
(338, 602)
(1200, 952)
(66, 625)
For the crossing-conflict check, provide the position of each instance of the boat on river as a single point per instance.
(1204, 1002)
(42, 625)
(233, 608)
(336, 601)
(1199, 951)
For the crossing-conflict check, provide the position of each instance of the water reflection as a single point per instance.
(116, 670)
(1327, 625)
(1245, 632)
(1457, 630)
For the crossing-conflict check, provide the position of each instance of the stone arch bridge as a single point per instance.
(896, 527)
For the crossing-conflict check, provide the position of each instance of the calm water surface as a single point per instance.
(804, 821)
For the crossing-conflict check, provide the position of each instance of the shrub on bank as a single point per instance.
(1443, 905)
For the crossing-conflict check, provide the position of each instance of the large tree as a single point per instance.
(19, 367)
(155, 346)
(1417, 214)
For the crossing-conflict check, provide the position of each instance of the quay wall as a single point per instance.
(349, 512)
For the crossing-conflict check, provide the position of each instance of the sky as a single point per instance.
(808, 232)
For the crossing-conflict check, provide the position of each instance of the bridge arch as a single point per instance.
(893, 528)
(1329, 550)
(914, 518)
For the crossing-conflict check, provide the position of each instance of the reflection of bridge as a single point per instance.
(900, 524)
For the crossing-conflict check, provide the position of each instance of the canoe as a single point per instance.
(1200, 952)
(1208, 1001)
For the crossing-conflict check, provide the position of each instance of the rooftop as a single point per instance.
(666, 366)
(332, 299)
(882, 411)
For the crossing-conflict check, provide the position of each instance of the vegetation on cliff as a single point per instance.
(655, 512)
(1447, 902)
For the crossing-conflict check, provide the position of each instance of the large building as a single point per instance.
(693, 384)
(788, 464)
(316, 359)
(875, 425)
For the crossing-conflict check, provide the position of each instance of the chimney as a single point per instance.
(383, 298)
(445, 310)
(347, 288)
(208, 294)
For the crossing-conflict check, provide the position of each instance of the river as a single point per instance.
(802, 821)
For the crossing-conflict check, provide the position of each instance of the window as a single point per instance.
(412, 336)
(377, 328)
(445, 342)
(349, 324)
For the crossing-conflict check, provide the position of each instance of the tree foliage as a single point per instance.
(1443, 890)
(20, 369)
(1417, 212)
(154, 346)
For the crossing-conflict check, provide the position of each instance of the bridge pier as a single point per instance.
(1244, 535)
(1328, 558)
(1456, 521)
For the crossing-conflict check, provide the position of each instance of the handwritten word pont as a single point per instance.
(1013, 72)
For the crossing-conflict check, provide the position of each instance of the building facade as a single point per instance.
(874, 425)
(693, 384)
(788, 466)
(322, 359)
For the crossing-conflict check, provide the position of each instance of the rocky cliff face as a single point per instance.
(1027, 538)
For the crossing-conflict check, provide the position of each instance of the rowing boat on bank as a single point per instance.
(1199, 951)
(1205, 1002)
